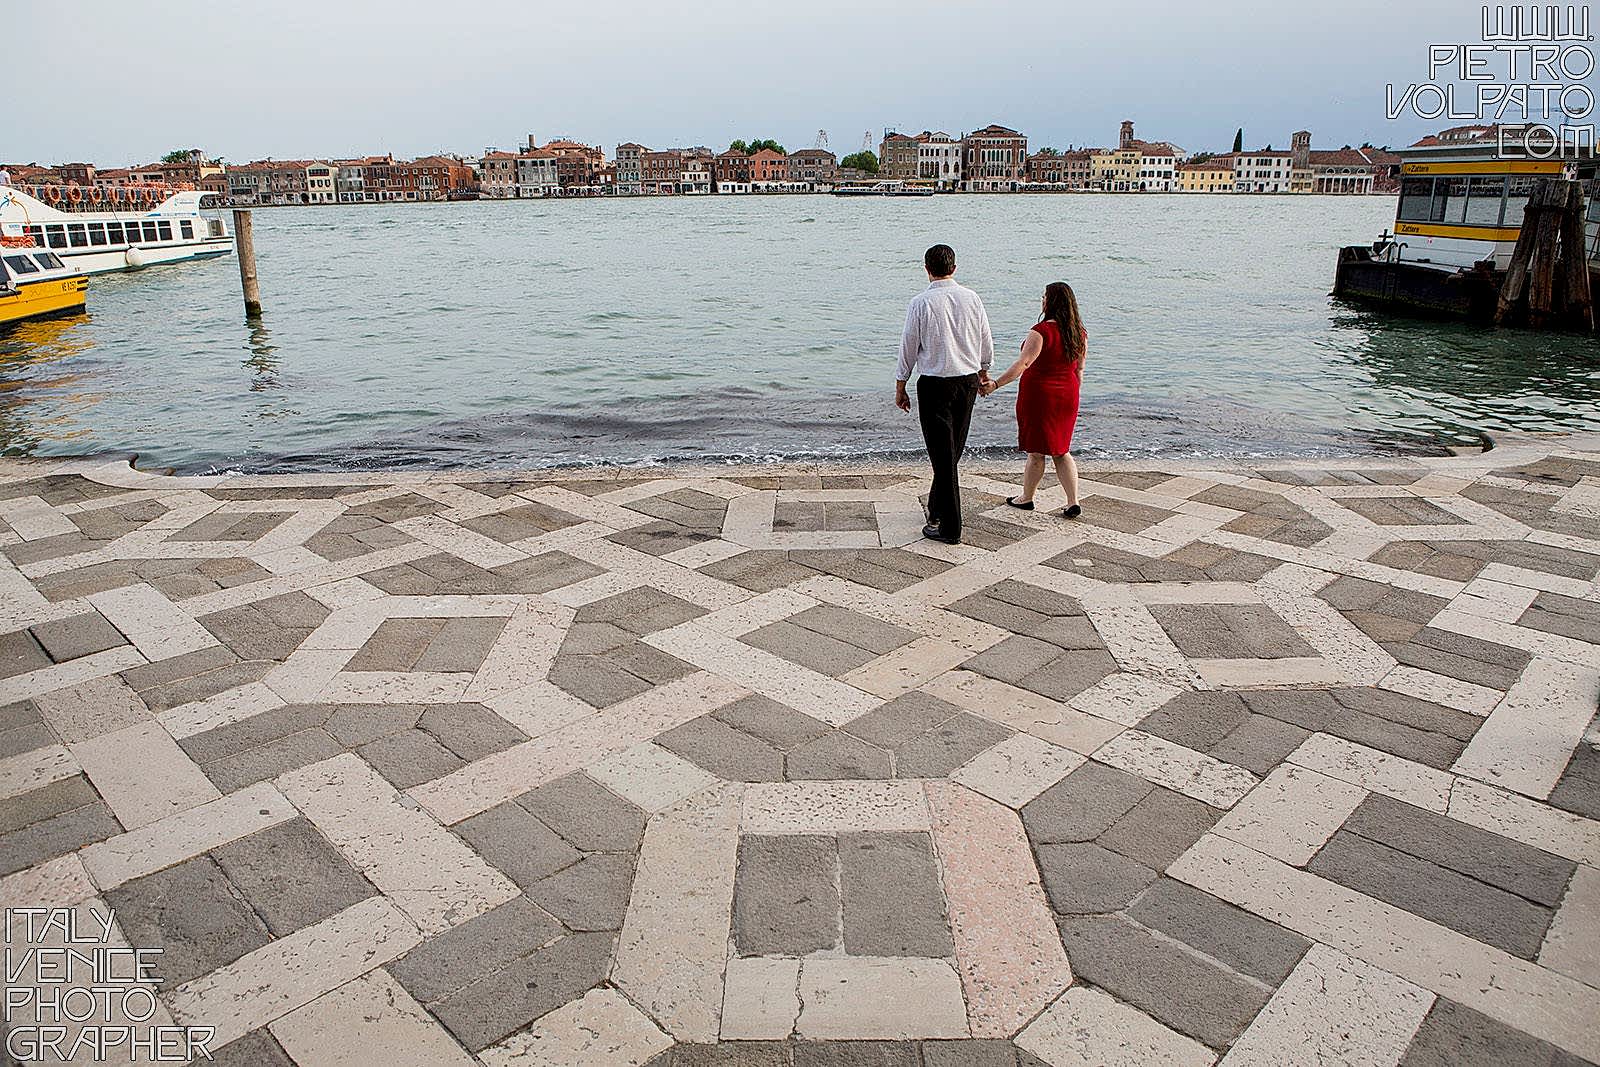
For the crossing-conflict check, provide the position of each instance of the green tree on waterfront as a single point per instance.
(867, 161)
(1048, 152)
(752, 147)
(1238, 140)
(180, 155)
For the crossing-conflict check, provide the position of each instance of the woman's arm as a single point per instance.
(1032, 345)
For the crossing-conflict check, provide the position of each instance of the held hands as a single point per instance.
(986, 384)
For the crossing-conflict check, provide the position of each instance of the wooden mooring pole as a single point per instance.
(244, 238)
(1548, 281)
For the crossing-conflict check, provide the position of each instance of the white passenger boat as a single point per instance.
(97, 242)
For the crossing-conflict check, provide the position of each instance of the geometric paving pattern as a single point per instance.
(1256, 763)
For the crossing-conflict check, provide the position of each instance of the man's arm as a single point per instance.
(910, 342)
(985, 341)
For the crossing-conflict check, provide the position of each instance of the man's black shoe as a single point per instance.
(932, 533)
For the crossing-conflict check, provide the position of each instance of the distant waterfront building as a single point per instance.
(767, 167)
(661, 172)
(730, 172)
(1114, 170)
(537, 173)
(1214, 175)
(576, 164)
(816, 166)
(939, 159)
(497, 175)
(897, 156)
(630, 169)
(994, 159)
(1263, 171)
(694, 178)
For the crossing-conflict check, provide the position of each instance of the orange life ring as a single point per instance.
(75, 193)
(53, 193)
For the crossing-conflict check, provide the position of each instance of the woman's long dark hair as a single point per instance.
(1061, 307)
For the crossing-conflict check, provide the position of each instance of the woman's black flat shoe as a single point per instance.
(1073, 512)
(1011, 501)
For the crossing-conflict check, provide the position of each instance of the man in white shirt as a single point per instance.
(948, 343)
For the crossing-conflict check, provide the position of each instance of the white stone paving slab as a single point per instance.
(1528, 821)
(1333, 1009)
(269, 982)
(761, 999)
(370, 1022)
(428, 872)
(142, 774)
(1088, 1028)
(1291, 814)
(834, 807)
(1381, 772)
(650, 777)
(1572, 945)
(1167, 763)
(673, 947)
(1528, 739)
(1017, 769)
(186, 834)
(158, 628)
(879, 998)
(600, 1027)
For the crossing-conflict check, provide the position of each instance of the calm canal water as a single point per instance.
(567, 332)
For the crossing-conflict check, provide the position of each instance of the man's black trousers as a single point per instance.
(945, 407)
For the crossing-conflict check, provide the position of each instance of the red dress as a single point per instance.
(1047, 397)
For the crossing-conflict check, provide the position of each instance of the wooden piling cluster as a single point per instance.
(245, 239)
(1548, 281)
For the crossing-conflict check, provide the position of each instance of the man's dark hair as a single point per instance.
(940, 261)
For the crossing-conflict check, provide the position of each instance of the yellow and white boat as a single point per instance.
(35, 284)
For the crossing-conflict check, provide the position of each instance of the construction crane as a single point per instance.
(822, 139)
(866, 141)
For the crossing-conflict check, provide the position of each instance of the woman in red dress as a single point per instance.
(1051, 369)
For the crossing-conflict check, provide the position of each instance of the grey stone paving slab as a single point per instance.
(781, 727)
(471, 731)
(1160, 828)
(77, 636)
(1013, 659)
(856, 1054)
(1193, 996)
(641, 611)
(65, 794)
(56, 835)
(291, 875)
(1578, 789)
(25, 738)
(409, 758)
(503, 1002)
(1083, 805)
(1247, 943)
(192, 914)
(1259, 744)
(1082, 878)
(271, 759)
(255, 1049)
(726, 1054)
(725, 752)
(354, 725)
(1229, 631)
(546, 572)
(1557, 614)
(592, 894)
(852, 627)
(759, 571)
(480, 946)
(1529, 872)
(1070, 674)
(596, 680)
(893, 905)
(586, 814)
(938, 752)
(900, 720)
(1453, 1035)
(826, 655)
(1197, 720)
(786, 895)
(1480, 911)
(20, 653)
(524, 848)
(837, 756)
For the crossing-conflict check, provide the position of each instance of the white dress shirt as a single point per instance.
(947, 333)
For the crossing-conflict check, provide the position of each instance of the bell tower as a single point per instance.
(1300, 149)
(1126, 138)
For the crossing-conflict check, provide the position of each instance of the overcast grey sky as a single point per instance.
(124, 82)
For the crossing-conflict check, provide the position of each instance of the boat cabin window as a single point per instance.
(150, 233)
(57, 234)
(1463, 200)
(77, 233)
(49, 260)
(1519, 187)
(97, 233)
(1416, 198)
(22, 265)
(114, 232)
(186, 228)
(36, 232)
(165, 229)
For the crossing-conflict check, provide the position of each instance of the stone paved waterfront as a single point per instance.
(1272, 763)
